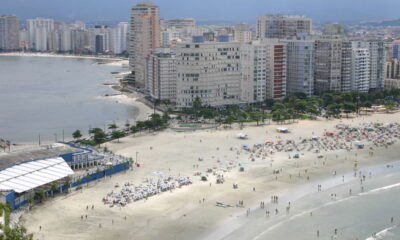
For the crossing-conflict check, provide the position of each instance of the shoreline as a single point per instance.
(114, 61)
(179, 215)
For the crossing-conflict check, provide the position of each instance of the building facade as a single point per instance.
(144, 37)
(9, 32)
(219, 73)
(300, 66)
(282, 26)
(40, 34)
(269, 69)
(360, 78)
(328, 64)
(377, 61)
(161, 74)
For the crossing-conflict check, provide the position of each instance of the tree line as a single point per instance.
(98, 136)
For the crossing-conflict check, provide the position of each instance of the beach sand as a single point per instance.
(182, 214)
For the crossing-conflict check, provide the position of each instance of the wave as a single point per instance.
(381, 189)
(382, 234)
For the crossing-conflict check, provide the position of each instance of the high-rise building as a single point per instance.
(161, 74)
(9, 32)
(219, 73)
(144, 37)
(40, 33)
(282, 26)
(121, 37)
(360, 64)
(395, 51)
(346, 66)
(377, 61)
(269, 69)
(328, 64)
(99, 43)
(392, 68)
(300, 66)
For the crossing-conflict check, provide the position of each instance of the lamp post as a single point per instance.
(137, 157)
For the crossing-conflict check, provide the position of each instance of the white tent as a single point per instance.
(26, 176)
(242, 135)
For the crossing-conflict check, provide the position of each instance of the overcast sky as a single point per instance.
(227, 10)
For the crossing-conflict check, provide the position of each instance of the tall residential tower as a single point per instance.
(144, 37)
(9, 32)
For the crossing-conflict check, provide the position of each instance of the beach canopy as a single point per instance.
(259, 143)
(30, 175)
(282, 130)
(242, 135)
(245, 145)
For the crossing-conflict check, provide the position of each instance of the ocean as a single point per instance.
(49, 96)
(371, 211)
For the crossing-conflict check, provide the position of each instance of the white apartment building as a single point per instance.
(360, 78)
(144, 37)
(300, 66)
(269, 67)
(40, 33)
(377, 61)
(161, 74)
(219, 73)
(121, 37)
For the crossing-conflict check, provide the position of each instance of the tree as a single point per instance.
(40, 195)
(17, 233)
(77, 134)
(112, 126)
(349, 107)
(333, 110)
(134, 129)
(98, 135)
(117, 135)
(53, 188)
(140, 125)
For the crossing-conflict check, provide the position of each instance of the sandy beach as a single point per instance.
(190, 212)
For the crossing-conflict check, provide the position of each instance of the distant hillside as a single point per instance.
(383, 23)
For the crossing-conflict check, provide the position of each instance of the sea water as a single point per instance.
(364, 214)
(46, 96)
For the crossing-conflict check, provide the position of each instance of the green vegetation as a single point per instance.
(295, 106)
(16, 233)
(117, 135)
(77, 134)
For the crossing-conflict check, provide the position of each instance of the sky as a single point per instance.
(205, 10)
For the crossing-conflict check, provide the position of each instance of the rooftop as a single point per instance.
(8, 159)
